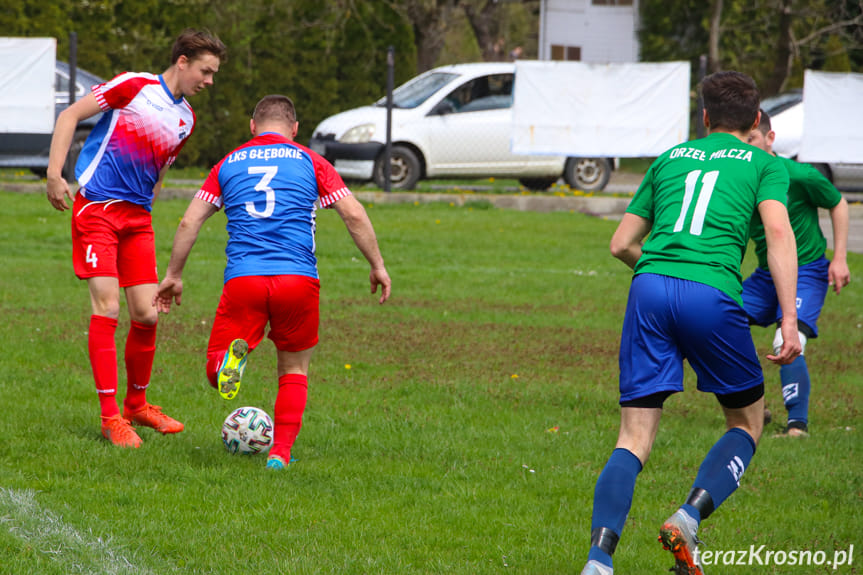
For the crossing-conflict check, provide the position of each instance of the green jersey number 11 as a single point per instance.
(707, 184)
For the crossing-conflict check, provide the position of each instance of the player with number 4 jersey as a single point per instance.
(270, 188)
(694, 207)
(146, 121)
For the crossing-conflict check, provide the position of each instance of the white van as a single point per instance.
(450, 122)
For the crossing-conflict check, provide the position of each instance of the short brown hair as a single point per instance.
(731, 100)
(275, 108)
(192, 43)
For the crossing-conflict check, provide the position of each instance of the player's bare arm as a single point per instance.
(171, 287)
(782, 261)
(628, 238)
(360, 227)
(64, 131)
(838, 273)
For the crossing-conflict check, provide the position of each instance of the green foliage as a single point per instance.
(328, 57)
(466, 436)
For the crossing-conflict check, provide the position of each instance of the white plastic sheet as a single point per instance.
(27, 85)
(614, 110)
(832, 118)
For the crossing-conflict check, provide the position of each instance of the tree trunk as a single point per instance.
(485, 25)
(783, 56)
(713, 48)
(429, 20)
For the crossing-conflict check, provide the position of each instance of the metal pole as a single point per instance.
(389, 145)
(73, 65)
(699, 123)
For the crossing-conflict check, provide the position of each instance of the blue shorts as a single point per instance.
(669, 319)
(762, 306)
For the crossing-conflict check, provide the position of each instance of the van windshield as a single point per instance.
(414, 92)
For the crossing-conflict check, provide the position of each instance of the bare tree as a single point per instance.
(429, 19)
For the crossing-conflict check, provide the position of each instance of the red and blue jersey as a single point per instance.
(269, 188)
(143, 129)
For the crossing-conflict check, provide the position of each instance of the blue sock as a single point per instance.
(795, 389)
(725, 463)
(612, 497)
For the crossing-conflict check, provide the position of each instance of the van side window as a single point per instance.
(484, 93)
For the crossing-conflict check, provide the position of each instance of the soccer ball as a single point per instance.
(247, 430)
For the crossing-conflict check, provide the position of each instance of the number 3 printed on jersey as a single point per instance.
(269, 172)
(707, 184)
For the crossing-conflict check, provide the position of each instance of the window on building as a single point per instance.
(611, 2)
(568, 53)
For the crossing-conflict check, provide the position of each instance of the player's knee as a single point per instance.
(778, 341)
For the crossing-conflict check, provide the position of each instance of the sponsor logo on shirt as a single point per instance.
(182, 129)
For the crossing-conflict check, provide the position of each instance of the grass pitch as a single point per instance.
(458, 429)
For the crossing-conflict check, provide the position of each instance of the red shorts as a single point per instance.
(290, 303)
(113, 239)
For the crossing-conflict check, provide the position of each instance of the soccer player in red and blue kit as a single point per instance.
(269, 188)
(145, 124)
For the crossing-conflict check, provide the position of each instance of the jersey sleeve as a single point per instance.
(211, 189)
(119, 91)
(822, 193)
(774, 182)
(642, 203)
(331, 187)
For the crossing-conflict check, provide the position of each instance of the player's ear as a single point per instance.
(757, 121)
(705, 118)
(294, 131)
(252, 126)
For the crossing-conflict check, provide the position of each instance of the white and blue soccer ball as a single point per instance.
(247, 430)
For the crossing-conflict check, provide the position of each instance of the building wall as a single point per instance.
(596, 31)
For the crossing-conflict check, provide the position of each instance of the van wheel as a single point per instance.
(587, 174)
(537, 184)
(404, 169)
(72, 156)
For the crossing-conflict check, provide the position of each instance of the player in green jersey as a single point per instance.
(808, 191)
(696, 203)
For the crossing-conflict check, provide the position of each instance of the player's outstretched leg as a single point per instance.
(231, 371)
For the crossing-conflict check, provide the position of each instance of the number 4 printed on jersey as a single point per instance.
(707, 184)
(91, 256)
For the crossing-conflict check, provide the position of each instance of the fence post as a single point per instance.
(389, 145)
(73, 65)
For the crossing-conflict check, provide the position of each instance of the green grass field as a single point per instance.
(458, 429)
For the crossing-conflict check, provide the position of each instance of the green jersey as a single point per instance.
(700, 198)
(807, 192)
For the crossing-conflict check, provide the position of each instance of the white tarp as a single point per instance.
(832, 118)
(27, 85)
(614, 110)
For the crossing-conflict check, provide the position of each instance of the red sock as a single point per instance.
(140, 350)
(290, 405)
(103, 360)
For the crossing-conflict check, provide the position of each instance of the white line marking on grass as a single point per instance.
(23, 517)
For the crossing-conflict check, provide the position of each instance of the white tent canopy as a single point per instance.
(614, 110)
(27, 85)
(832, 118)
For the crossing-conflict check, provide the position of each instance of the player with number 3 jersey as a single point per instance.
(270, 188)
